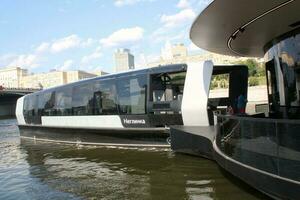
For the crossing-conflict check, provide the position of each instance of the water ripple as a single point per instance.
(40, 170)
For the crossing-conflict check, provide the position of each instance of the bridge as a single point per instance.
(8, 99)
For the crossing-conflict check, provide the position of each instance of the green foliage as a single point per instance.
(256, 75)
(257, 72)
(253, 81)
(219, 81)
(255, 68)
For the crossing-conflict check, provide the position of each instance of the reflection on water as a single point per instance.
(38, 170)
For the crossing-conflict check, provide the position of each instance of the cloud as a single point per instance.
(183, 4)
(65, 43)
(29, 61)
(87, 42)
(204, 3)
(43, 47)
(183, 17)
(66, 65)
(193, 47)
(96, 54)
(123, 36)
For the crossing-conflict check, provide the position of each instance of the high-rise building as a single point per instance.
(124, 60)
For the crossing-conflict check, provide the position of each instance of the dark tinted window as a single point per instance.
(29, 108)
(284, 76)
(49, 103)
(82, 101)
(132, 94)
(105, 98)
(63, 101)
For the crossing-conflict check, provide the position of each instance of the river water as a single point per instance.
(39, 170)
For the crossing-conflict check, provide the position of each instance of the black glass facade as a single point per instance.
(270, 144)
(283, 72)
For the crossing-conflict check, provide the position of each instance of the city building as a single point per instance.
(178, 53)
(10, 77)
(124, 60)
(44, 80)
(100, 72)
(77, 75)
(54, 78)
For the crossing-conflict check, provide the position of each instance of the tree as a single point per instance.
(253, 81)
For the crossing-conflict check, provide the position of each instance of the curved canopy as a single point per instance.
(244, 27)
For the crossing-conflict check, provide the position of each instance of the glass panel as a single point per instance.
(289, 150)
(286, 54)
(29, 108)
(41, 104)
(166, 92)
(132, 94)
(105, 98)
(167, 86)
(63, 101)
(249, 141)
(49, 102)
(82, 101)
(219, 86)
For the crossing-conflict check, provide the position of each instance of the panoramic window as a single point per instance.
(29, 107)
(105, 98)
(63, 101)
(132, 94)
(49, 103)
(82, 101)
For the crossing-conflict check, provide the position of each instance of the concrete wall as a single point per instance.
(7, 109)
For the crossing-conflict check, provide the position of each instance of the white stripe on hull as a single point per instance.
(96, 121)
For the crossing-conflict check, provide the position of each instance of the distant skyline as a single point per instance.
(83, 35)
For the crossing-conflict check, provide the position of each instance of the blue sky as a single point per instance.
(83, 34)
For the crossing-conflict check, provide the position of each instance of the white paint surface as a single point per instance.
(19, 111)
(195, 94)
(97, 121)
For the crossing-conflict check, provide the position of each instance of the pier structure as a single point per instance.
(8, 99)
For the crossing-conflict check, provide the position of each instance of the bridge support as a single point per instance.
(7, 109)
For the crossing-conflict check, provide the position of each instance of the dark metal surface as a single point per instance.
(195, 140)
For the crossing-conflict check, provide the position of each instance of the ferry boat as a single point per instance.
(133, 108)
(264, 149)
